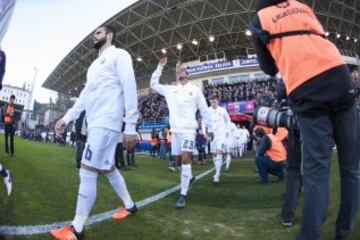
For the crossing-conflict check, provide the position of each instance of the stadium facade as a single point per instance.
(193, 33)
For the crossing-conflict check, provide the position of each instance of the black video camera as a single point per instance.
(274, 118)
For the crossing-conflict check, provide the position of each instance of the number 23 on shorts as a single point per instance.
(187, 145)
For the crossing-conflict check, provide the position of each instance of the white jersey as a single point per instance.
(231, 141)
(183, 102)
(220, 120)
(238, 138)
(246, 135)
(109, 93)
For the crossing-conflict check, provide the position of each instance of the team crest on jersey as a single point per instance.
(175, 92)
(103, 61)
(190, 93)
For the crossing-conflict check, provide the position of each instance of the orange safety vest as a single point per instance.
(281, 133)
(297, 43)
(9, 119)
(154, 141)
(277, 152)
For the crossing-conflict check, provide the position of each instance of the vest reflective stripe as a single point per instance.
(300, 57)
(277, 153)
(9, 119)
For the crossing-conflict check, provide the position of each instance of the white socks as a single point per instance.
(119, 185)
(86, 198)
(87, 195)
(228, 160)
(186, 175)
(218, 164)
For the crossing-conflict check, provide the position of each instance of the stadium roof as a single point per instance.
(148, 28)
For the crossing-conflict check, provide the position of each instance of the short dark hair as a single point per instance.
(110, 29)
(214, 96)
(183, 70)
(259, 132)
(12, 97)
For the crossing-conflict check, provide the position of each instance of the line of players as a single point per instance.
(229, 140)
(184, 100)
(112, 73)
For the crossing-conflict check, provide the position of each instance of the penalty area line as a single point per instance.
(40, 229)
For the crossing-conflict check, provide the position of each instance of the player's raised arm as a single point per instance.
(155, 78)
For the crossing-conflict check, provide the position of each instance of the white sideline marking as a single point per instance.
(39, 229)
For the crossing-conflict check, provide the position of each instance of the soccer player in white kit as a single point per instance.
(109, 98)
(230, 145)
(220, 120)
(183, 101)
(246, 136)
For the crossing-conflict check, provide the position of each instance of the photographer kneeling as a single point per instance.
(271, 157)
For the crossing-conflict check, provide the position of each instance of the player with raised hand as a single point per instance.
(183, 101)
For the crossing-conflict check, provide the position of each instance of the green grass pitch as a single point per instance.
(46, 183)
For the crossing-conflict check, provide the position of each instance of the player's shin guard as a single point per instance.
(119, 185)
(186, 176)
(86, 198)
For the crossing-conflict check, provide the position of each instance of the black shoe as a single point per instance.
(133, 209)
(286, 222)
(79, 235)
(180, 203)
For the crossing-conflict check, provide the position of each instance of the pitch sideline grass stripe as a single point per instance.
(40, 229)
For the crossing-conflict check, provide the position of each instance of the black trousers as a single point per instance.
(293, 179)
(9, 132)
(119, 156)
(317, 135)
(130, 158)
(80, 145)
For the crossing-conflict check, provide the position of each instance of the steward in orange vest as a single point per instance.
(289, 39)
(8, 116)
(271, 156)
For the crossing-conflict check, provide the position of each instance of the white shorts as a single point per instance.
(230, 144)
(182, 142)
(99, 151)
(218, 143)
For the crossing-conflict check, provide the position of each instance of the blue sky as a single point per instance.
(45, 31)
